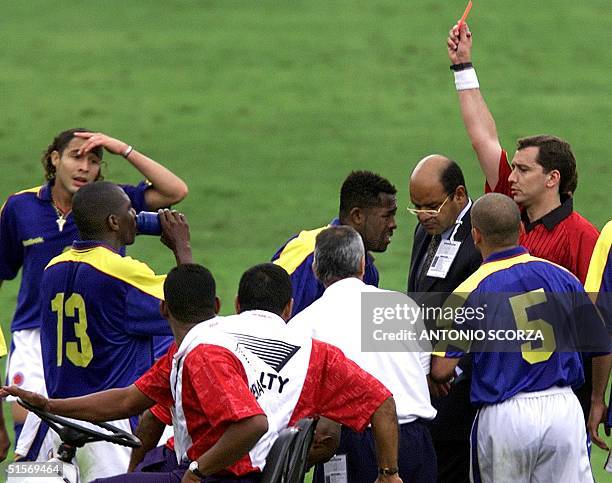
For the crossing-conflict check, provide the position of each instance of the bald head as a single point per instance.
(429, 169)
(437, 183)
(498, 219)
(436, 170)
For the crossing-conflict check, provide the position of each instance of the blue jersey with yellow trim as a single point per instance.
(3, 350)
(498, 376)
(599, 284)
(30, 238)
(99, 311)
(599, 277)
(296, 257)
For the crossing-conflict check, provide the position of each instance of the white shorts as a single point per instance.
(25, 367)
(95, 460)
(35, 442)
(532, 437)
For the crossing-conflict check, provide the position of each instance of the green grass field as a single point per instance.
(264, 107)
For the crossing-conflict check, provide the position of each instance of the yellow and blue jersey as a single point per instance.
(30, 238)
(599, 278)
(296, 257)
(522, 292)
(3, 350)
(99, 312)
(599, 283)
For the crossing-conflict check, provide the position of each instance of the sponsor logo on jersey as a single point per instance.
(33, 241)
(275, 353)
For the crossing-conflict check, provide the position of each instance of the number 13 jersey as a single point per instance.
(99, 313)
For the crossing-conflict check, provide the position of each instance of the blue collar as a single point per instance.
(509, 253)
(88, 244)
(44, 193)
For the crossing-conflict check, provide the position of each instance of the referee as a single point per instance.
(541, 179)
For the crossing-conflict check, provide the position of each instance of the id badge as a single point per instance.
(443, 259)
(334, 471)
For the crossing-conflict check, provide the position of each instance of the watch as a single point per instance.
(194, 468)
(388, 471)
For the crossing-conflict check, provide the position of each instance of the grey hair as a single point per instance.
(338, 254)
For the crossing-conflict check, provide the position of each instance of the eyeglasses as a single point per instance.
(416, 212)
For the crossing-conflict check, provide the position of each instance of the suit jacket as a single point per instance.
(466, 262)
(455, 412)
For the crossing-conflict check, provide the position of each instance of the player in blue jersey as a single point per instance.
(37, 224)
(599, 286)
(99, 310)
(368, 204)
(529, 426)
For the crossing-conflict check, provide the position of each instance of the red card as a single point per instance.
(464, 16)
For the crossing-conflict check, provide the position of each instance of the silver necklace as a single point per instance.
(61, 218)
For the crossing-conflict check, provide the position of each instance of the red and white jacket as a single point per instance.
(231, 368)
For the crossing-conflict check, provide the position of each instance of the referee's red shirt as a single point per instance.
(562, 236)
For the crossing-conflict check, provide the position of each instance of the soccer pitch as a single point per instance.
(264, 107)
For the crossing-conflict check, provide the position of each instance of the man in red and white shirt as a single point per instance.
(222, 388)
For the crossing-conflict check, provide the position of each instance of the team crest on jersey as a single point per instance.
(275, 353)
(18, 379)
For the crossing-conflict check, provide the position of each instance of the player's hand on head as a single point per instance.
(33, 398)
(97, 139)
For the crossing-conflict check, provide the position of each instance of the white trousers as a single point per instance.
(25, 367)
(535, 437)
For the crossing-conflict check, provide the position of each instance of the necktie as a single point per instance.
(429, 256)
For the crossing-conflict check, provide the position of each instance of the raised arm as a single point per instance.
(166, 187)
(477, 118)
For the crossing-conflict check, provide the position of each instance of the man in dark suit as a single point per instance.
(443, 256)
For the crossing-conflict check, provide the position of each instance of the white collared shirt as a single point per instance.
(452, 231)
(335, 318)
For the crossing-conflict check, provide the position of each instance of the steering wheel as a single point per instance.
(76, 435)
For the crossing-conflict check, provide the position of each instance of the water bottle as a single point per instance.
(147, 223)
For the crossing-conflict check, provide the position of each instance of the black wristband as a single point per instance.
(460, 67)
(388, 471)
